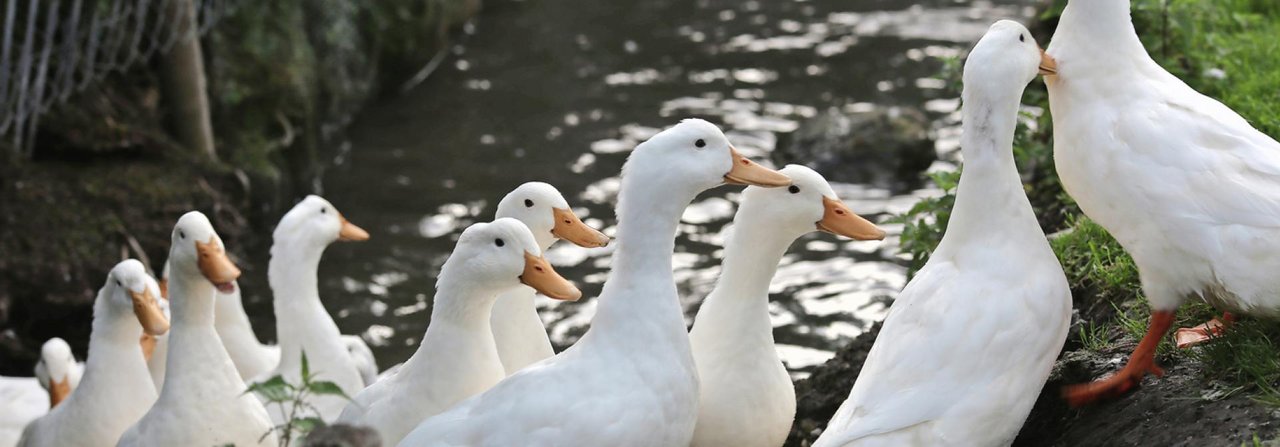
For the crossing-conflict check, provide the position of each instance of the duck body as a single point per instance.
(970, 341)
(203, 400)
(302, 323)
(116, 389)
(631, 380)
(747, 397)
(519, 332)
(1184, 183)
(457, 358)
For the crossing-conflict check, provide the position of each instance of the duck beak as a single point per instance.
(216, 267)
(838, 219)
(350, 232)
(1048, 66)
(164, 287)
(747, 172)
(147, 308)
(539, 275)
(58, 391)
(570, 228)
(148, 344)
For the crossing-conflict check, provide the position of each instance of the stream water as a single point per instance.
(560, 91)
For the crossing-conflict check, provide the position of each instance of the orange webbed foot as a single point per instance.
(1191, 336)
(1141, 362)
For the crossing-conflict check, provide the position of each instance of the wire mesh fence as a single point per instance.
(51, 49)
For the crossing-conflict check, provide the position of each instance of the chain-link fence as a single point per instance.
(51, 49)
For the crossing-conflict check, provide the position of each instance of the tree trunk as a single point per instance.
(183, 83)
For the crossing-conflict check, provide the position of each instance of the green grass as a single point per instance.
(1226, 49)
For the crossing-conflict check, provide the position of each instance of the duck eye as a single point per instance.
(1022, 38)
(181, 235)
(528, 203)
(119, 284)
(324, 210)
(794, 189)
(499, 242)
(700, 143)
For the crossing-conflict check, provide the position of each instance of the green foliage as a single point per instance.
(1246, 356)
(926, 221)
(1094, 261)
(291, 399)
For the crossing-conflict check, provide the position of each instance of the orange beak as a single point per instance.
(570, 228)
(539, 275)
(164, 287)
(747, 172)
(350, 232)
(147, 308)
(216, 266)
(838, 219)
(1048, 66)
(58, 391)
(148, 344)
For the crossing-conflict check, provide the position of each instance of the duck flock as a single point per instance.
(1189, 188)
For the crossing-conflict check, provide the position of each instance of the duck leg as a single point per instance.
(1191, 336)
(1141, 362)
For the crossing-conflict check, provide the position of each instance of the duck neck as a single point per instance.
(640, 294)
(740, 301)
(300, 316)
(115, 360)
(192, 300)
(460, 320)
(990, 194)
(1099, 33)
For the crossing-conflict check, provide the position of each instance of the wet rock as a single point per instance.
(342, 435)
(887, 147)
(820, 395)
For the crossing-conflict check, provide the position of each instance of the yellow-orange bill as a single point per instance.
(838, 219)
(350, 232)
(570, 228)
(1048, 65)
(539, 275)
(216, 266)
(747, 172)
(147, 308)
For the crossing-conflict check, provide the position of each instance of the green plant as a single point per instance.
(291, 399)
(926, 221)
(1094, 337)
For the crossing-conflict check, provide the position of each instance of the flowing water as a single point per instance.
(560, 91)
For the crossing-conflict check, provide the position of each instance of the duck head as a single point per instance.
(130, 287)
(694, 156)
(55, 369)
(316, 223)
(1007, 55)
(544, 210)
(504, 253)
(197, 250)
(807, 205)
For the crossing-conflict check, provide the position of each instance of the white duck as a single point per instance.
(747, 398)
(26, 398)
(970, 341)
(630, 380)
(116, 389)
(302, 324)
(1185, 184)
(517, 328)
(203, 401)
(457, 358)
(252, 357)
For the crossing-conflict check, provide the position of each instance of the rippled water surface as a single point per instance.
(560, 91)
